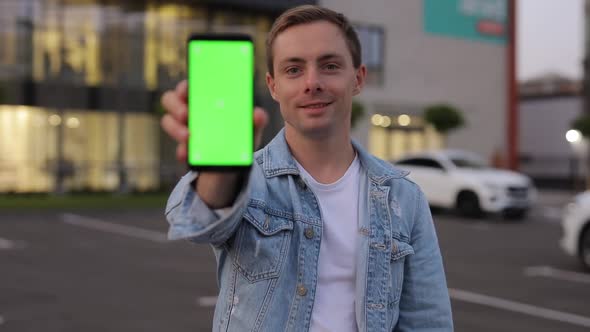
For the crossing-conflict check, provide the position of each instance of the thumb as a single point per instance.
(260, 122)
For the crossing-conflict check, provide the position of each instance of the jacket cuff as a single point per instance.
(190, 218)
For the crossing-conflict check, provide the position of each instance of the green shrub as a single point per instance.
(444, 117)
(582, 124)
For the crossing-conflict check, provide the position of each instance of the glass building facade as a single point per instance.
(80, 83)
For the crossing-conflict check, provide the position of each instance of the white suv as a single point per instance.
(575, 238)
(461, 180)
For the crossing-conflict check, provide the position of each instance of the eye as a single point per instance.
(292, 71)
(331, 66)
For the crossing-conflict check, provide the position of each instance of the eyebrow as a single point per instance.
(324, 57)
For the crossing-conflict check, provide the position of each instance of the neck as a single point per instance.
(324, 158)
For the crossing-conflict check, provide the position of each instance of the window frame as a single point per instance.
(375, 72)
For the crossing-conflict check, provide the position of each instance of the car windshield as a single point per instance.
(468, 163)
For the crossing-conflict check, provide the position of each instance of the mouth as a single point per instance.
(316, 105)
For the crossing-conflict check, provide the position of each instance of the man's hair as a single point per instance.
(309, 14)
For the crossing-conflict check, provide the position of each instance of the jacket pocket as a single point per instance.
(261, 244)
(400, 250)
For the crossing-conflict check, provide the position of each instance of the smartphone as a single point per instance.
(220, 101)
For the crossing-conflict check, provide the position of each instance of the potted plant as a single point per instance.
(444, 118)
(582, 124)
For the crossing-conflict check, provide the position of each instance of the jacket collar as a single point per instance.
(276, 159)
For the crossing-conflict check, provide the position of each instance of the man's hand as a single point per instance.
(217, 190)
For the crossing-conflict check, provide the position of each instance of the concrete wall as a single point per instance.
(543, 124)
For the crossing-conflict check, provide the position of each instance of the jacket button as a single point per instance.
(309, 233)
(301, 290)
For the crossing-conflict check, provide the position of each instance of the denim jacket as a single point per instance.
(267, 248)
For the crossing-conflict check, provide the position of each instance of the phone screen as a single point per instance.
(220, 102)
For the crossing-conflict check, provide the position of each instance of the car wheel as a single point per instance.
(585, 248)
(468, 204)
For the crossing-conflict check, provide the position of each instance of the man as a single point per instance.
(320, 235)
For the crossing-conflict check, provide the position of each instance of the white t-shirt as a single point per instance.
(334, 306)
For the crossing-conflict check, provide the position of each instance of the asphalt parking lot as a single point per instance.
(115, 271)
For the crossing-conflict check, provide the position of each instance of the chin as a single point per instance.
(317, 131)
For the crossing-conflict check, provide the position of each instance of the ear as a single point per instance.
(270, 83)
(359, 79)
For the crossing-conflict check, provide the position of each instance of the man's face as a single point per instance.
(314, 79)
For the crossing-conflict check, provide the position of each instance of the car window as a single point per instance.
(421, 162)
(468, 163)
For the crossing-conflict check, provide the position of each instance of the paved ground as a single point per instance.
(114, 271)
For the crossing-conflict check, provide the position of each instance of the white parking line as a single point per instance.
(527, 309)
(550, 272)
(490, 301)
(6, 244)
(207, 301)
(110, 227)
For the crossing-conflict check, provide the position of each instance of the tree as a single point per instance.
(582, 124)
(358, 110)
(444, 118)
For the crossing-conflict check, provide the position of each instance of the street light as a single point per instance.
(573, 136)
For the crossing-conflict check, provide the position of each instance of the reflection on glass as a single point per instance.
(29, 157)
(25, 139)
(377, 142)
(93, 148)
(415, 141)
(54, 120)
(167, 28)
(47, 41)
(377, 119)
(391, 140)
(103, 44)
(404, 120)
(141, 151)
(117, 43)
(434, 141)
(73, 123)
(8, 11)
(15, 37)
(469, 162)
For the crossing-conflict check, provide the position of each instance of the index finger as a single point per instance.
(182, 90)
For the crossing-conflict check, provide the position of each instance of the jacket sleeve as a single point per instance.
(190, 218)
(424, 303)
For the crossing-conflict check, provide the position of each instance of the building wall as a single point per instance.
(545, 152)
(421, 69)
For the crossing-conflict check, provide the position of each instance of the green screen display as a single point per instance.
(220, 102)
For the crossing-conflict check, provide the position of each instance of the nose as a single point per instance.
(313, 82)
